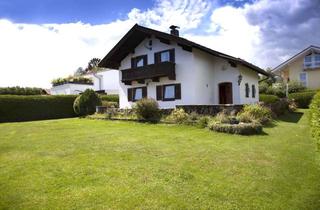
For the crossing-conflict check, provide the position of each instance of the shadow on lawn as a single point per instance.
(291, 117)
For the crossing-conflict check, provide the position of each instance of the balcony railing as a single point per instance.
(311, 65)
(152, 71)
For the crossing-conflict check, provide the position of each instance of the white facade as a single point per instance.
(106, 80)
(199, 74)
(69, 89)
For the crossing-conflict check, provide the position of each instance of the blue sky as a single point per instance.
(86, 11)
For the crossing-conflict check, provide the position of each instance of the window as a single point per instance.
(308, 61)
(135, 94)
(168, 92)
(303, 79)
(253, 87)
(139, 61)
(247, 90)
(164, 56)
(317, 59)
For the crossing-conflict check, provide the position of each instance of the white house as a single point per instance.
(176, 71)
(69, 89)
(106, 81)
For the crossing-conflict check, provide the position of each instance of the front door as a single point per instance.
(225, 93)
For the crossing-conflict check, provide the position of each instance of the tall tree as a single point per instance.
(93, 65)
(79, 72)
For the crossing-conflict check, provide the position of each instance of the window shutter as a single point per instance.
(145, 60)
(247, 90)
(130, 94)
(144, 92)
(159, 93)
(177, 90)
(132, 63)
(157, 58)
(172, 55)
(253, 91)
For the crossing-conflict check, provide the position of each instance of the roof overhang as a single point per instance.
(138, 33)
(303, 53)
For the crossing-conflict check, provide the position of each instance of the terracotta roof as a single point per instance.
(138, 33)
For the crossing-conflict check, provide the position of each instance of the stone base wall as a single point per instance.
(210, 109)
(199, 109)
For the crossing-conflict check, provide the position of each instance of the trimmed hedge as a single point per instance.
(268, 99)
(22, 91)
(25, 108)
(113, 98)
(241, 128)
(302, 99)
(315, 118)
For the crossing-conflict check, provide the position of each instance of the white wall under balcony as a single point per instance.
(69, 89)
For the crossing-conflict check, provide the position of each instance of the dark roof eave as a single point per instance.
(106, 62)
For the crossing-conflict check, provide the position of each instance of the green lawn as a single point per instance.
(95, 164)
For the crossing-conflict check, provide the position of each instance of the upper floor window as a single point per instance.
(312, 60)
(139, 61)
(164, 56)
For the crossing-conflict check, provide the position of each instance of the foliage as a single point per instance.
(279, 107)
(315, 118)
(79, 72)
(255, 113)
(302, 99)
(268, 99)
(147, 109)
(295, 86)
(279, 88)
(241, 128)
(203, 121)
(86, 103)
(222, 117)
(110, 104)
(21, 91)
(178, 116)
(25, 108)
(71, 79)
(113, 98)
(93, 65)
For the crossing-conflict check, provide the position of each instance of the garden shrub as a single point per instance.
(241, 128)
(15, 108)
(268, 99)
(22, 91)
(222, 117)
(302, 99)
(315, 118)
(295, 86)
(255, 113)
(203, 121)
(86, 103)
(147, 109)
(110, 104)
(111, 98)
(178, 116)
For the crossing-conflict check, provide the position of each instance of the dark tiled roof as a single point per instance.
(138, 33)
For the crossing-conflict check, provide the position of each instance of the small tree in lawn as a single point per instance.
(86, 103)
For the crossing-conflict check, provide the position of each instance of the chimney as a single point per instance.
(174, 30)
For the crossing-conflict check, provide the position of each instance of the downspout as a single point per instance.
(99, 77)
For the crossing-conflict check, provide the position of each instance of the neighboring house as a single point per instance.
(106, 81)
(304, 67)
(176, 71)
(69, 89)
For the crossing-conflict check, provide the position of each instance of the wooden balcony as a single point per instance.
(152, 71)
